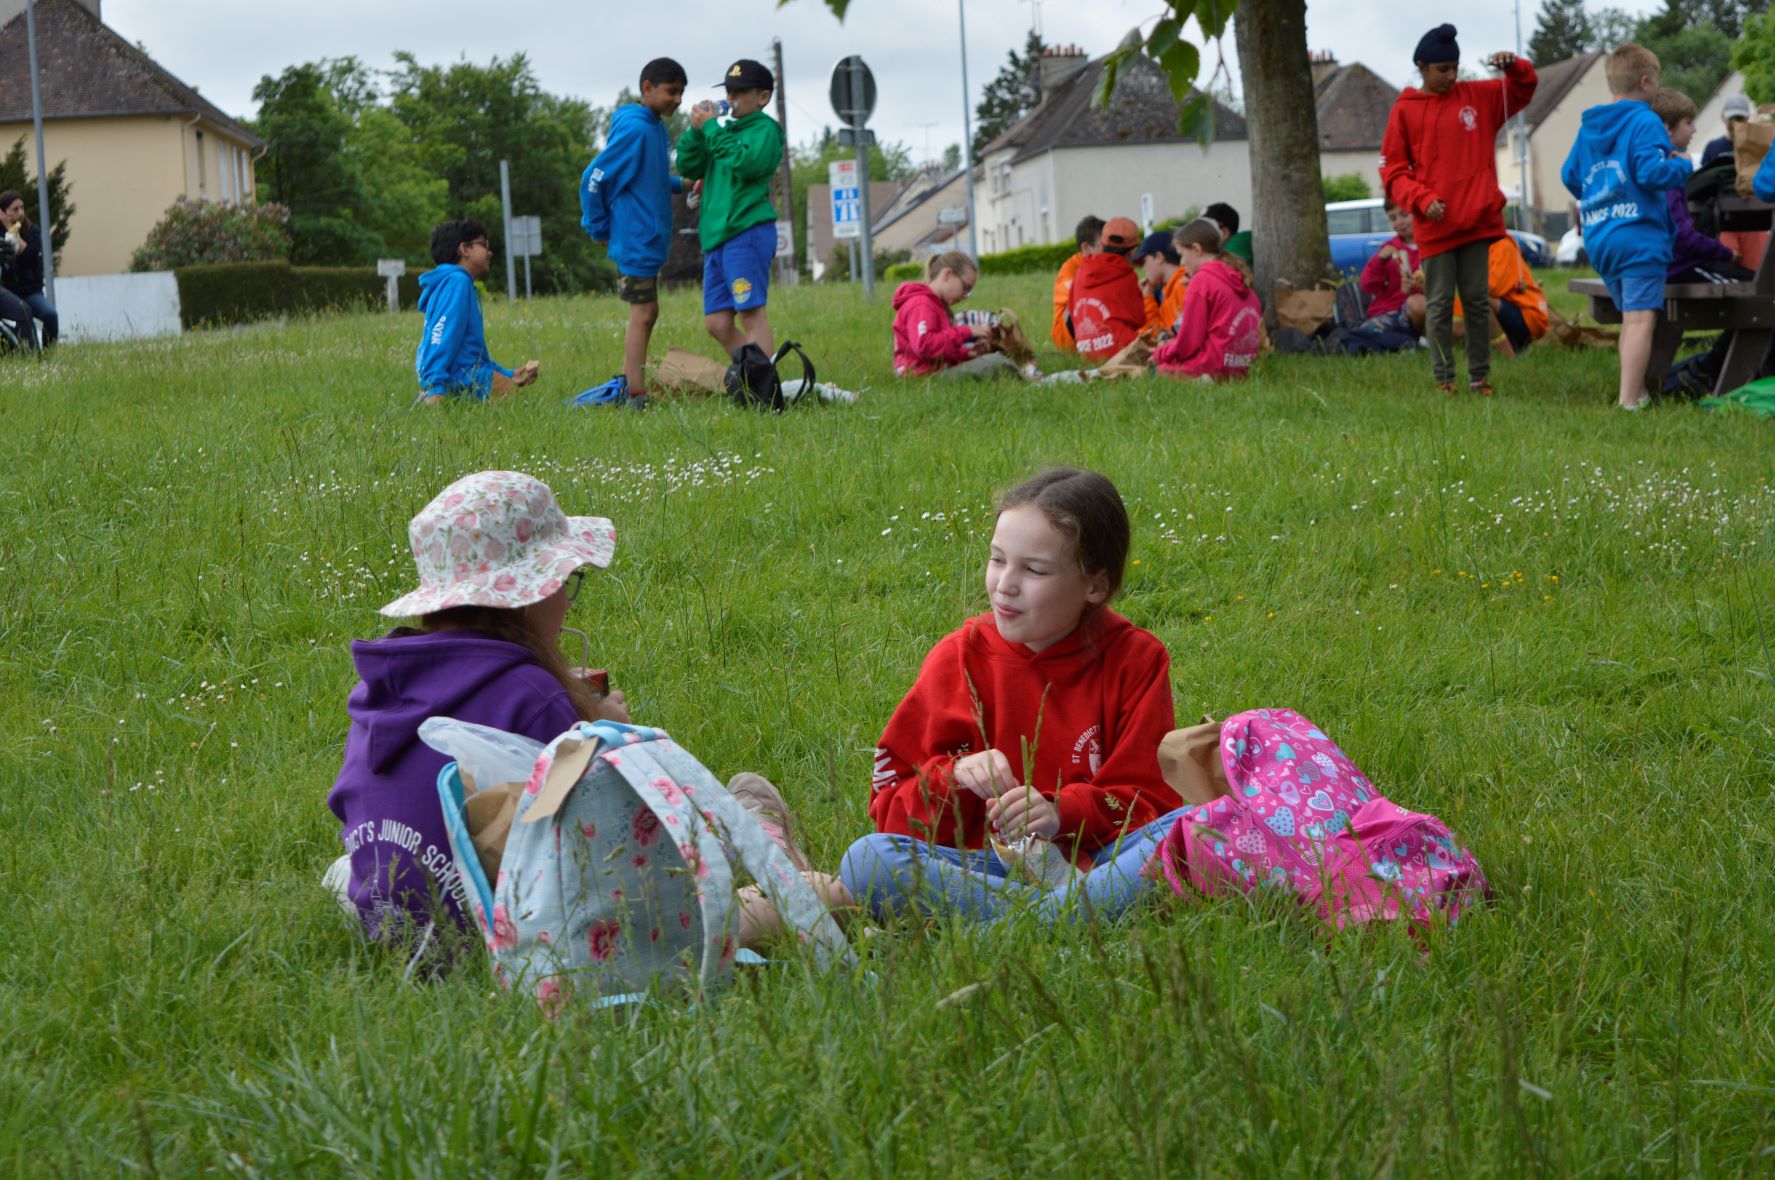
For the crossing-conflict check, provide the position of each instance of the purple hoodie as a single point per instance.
(386, 796)
(1691, 247)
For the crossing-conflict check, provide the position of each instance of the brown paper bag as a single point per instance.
(1577, 334)
(489, 817)
(684, 371)
(1750, 143)
(1306, 311)
(1189, 760)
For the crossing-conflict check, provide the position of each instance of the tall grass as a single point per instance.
(1547, 622)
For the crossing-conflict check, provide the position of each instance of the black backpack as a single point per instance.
(754, 381)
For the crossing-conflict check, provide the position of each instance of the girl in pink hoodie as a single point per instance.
(926, 337)
(1219, 334)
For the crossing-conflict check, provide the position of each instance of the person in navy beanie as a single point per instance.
(1439, 163)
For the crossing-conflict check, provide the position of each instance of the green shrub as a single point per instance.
(194, 233)
(1022, 260)
(236, 293)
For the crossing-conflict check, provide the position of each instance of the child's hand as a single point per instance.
(1436, 210)
(614, 706)
(1024, 811)
(702, 112)
(982, 331)
(987, 774)
(1501, 60)
(526, 372)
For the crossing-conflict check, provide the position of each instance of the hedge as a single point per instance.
(1022, 260)
(238, 292)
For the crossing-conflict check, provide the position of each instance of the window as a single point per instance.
(202, 186)
(1347, 221)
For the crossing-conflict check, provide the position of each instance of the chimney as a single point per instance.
(1060, 64)
(1323, 63)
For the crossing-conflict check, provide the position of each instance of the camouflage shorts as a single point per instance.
(630, 289)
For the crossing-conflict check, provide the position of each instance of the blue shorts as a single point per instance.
(1638, 292)
(736, 274)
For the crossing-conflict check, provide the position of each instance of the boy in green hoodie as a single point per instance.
(735, 158)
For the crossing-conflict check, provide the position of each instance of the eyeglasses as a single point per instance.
(573, 583)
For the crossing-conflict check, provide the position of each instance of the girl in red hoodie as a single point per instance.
(926, 337)
(1439, 161)
(1221, 329)
(1038, 720)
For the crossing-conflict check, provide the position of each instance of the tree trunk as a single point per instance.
(1288, 219)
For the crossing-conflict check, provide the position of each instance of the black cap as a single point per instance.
(746, 74)
(1157, 242)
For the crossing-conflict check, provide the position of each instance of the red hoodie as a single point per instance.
(926, 337)
(1107, 307)
(1221, 329)
(1444, 147)
(1382, 279)
(1096, 733)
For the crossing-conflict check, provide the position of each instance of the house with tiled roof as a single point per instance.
(1067, 158)
(1550, 121)
(135, 138)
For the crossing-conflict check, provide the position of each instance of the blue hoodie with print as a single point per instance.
(452, 357)
(1619, 169)
(625, 194)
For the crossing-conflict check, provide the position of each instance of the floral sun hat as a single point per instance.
(497, 538)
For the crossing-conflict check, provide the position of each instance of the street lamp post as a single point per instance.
(42, 164)
(967, 130)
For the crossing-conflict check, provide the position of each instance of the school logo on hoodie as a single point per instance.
(1469, 118)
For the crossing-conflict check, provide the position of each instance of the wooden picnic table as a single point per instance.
(1747, 310)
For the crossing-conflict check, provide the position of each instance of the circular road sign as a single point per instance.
(840, 91)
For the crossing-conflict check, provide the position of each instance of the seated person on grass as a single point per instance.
(1164, 281)
(1518, 305)
(1221, 328)
(1107, 311)
(1235, 241)
(1393, 280)
(452, 360)
(1088, 235)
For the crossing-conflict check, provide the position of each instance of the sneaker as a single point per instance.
(638, 401)
(1641, 404)
(765, 802)
(1482, 387)
(1446, 388)
(614, 392)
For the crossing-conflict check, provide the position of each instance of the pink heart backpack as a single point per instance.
(1291, 811)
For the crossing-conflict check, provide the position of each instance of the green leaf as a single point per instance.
(1106, 84)
(1196, 120)
(1181, 63)
(1212, 15)
(1163, 37)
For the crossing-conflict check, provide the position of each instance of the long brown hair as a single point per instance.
(955, 260)
(1086, 507)
(512, 627)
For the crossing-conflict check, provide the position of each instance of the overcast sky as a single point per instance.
(592, 48)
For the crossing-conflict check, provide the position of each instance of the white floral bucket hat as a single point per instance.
(497, 538)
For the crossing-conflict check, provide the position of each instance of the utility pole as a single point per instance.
(790, 272)
(1522, 142)
(505, 212)
(859, 106)
(967, 130)
(42, 164)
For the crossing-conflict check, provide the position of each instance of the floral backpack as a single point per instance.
(617, 877)
(1290, 811)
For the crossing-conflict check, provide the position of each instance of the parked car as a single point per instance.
(1571, 250)
(1359, 228)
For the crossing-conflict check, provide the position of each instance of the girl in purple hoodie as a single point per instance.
(499, 564)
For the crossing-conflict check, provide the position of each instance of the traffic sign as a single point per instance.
(844, 105)
(953, 215)
(785, 239)
(847, 199)
(526, 236)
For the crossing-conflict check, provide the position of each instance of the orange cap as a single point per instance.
(1121, 233)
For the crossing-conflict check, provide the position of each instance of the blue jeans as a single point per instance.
(890, 874)
(44, 311)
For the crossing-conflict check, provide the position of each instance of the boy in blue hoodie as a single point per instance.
(625, 201)
(452, 358)
(1619, 169)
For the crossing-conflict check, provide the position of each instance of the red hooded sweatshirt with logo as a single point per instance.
(1094, 707)
(1221, 329)
(926, 337)
(1444, 147)
(1107, 308)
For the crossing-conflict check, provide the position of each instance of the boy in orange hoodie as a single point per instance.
(1439, 160)
(1107, 310)
(1089, 231)
(1165, 281)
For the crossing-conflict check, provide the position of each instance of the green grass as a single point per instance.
(1545, 621)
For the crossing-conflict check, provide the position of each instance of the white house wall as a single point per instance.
(1549, 144)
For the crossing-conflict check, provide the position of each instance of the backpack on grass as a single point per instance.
(617, 878)
(753, 380)
(1293, 813)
